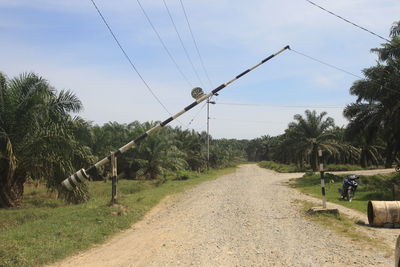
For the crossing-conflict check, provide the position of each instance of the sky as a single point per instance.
(67, 43)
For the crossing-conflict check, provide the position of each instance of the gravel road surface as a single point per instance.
(248, 218)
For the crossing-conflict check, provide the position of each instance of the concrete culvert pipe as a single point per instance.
(383, 212)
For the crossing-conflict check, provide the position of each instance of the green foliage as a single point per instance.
(375, 114)
(342, 167)
(35, 120)
(45, 229)
(375, 187)
(169, 150)
(184, 175)
(279, 167)
(226, 153)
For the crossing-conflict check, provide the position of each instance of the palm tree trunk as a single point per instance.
(389, 155)
(11, 195)
(11, 187)
(314, 158)
(363, 159)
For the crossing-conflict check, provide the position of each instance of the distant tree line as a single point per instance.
(41, 140)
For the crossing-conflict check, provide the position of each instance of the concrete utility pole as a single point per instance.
(113, 179)
(208, 131)
(321, 171)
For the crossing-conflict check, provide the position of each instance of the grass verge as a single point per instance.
(375, 187)
(45, 229)
(278, 167)
(346, 227)
(293, 168)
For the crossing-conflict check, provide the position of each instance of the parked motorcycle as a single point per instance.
(349, 187)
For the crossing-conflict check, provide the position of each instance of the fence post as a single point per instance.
(321, 171)
(113, 179)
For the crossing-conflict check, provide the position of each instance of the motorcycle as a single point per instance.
(349, 187)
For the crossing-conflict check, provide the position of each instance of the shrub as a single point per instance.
(183, 175)
(278, 166)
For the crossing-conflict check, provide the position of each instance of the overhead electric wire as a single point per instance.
(195, 43)
(340, 69)
(274, 105)
(255, 121)
(197, 114)
(181, 41)
(348, 21)
(128, 58)
(163, 44)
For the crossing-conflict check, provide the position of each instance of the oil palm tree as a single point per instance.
(311, 133)
(37, 137)
(157, 154)
(391, 50)
(376, 112)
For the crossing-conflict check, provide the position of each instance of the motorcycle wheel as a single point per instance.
(349, 194)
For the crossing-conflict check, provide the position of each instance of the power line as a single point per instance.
(277, 106)
(128, 58)
(348, 21)
(164, 46)
(195, 43)
(197, 114)
(326, 64)
(180, 40)
(340, 69)
(255, 121)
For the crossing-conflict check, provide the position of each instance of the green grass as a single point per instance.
(293, 168)
(376, 187)
(45, 229)
(278, 167)
(349, 167)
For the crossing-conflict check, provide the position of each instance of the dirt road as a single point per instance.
(249, 218)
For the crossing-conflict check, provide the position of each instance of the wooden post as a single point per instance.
(113, 179)
(321, 171)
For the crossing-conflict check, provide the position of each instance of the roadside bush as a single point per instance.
(278, 166)
(342, 167)
(183, 175)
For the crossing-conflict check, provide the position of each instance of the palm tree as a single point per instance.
(37, 137)
(376, 111)
(192, 144)
(311, 134)
(157, 154)
(390, 51)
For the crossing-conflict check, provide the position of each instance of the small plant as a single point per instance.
(182, 175)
